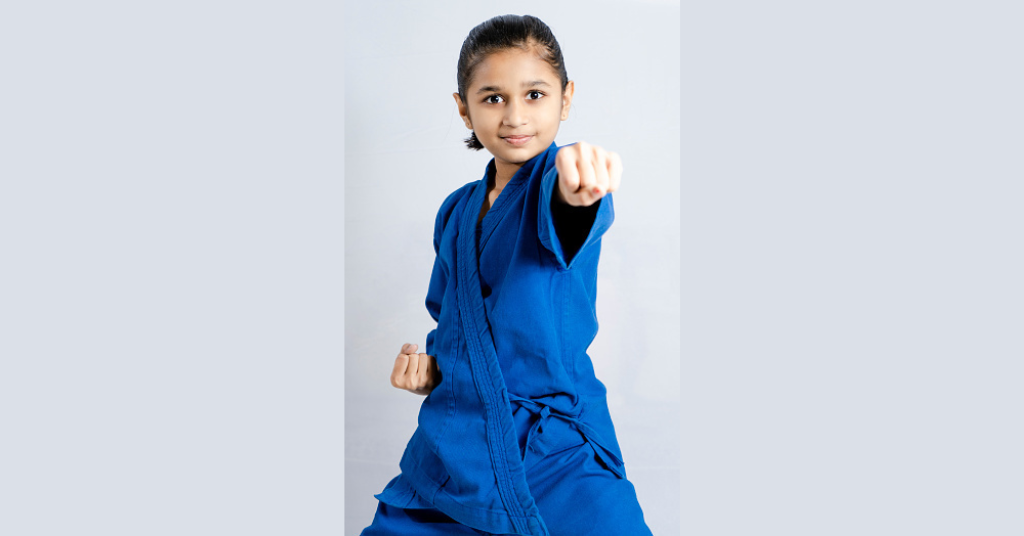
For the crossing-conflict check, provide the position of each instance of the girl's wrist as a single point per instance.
(556, 196)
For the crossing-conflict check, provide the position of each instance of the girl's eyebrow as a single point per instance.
(497, 89)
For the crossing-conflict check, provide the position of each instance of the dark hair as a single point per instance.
(502, 32)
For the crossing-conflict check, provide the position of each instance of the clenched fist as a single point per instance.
(585, 173)
(417, 373)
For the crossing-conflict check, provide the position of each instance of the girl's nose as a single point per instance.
(515, 115)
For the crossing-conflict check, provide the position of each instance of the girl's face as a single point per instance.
(514, 104)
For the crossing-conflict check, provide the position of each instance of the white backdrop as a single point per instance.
(404, 155)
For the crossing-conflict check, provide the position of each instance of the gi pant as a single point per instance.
(576, 494)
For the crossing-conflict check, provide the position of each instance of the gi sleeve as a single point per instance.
(566, 231)
(572, 225)
(439, 275)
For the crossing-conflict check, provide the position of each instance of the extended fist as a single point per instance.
(417, 373)
(585, 173)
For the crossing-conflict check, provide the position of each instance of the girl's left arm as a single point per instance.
(576, 205)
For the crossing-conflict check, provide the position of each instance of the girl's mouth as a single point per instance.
(516, 140)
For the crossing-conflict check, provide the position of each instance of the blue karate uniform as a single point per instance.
(519, 424)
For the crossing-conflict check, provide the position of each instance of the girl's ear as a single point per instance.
(463, 111)
(567, 99)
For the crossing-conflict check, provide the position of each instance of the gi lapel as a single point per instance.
(502, 443)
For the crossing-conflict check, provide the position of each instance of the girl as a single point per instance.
(514, 435)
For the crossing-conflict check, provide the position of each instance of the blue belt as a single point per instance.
(541, 444)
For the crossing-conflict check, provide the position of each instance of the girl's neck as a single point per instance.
(503, 172)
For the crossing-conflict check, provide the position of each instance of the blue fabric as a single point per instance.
(515, 315)
(394, 521)
(575, 492)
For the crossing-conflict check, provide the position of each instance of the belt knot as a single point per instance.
(557, 425)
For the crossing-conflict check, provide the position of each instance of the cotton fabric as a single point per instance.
(519, 424)
(574, 492)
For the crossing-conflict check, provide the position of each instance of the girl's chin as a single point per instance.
(517, 156)
(519, 153)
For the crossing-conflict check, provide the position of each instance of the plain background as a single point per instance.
(405, 154)
(171, 268)
(852, 298)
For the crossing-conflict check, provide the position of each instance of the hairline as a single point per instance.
(530, 44)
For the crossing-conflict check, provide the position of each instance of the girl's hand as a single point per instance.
(585, 173)
(417, 373)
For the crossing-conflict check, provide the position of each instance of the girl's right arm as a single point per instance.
(415, 372)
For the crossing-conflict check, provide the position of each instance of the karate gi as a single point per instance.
(519, 422)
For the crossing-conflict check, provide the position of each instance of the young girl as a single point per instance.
(514, 435)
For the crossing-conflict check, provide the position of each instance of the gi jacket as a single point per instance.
(514, 321)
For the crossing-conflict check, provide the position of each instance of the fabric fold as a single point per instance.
(541, 439)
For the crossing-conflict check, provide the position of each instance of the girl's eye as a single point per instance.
(535, 94)
(493, 99)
